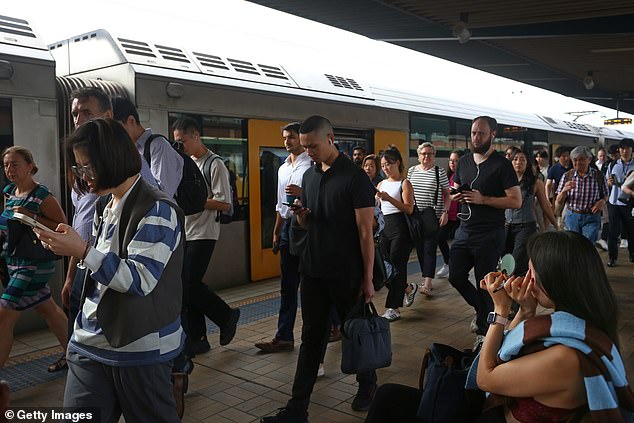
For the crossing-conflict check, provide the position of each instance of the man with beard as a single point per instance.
(487, 186)
(358, 154)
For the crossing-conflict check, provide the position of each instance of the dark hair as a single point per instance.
(513, 149)
(562, 149)
(392, 155)
(86, 92)
(459, 153)
(542, 153)
(570, 271)
(122, 108)
(528, 180)
(111, 152)
(315, 123)
(358, 147)
(292, 127)
(186, 124)
(493, 124)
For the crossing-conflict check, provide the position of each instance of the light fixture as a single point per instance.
(588, 81)
(6, 70)
(174, 90)
(461, 30)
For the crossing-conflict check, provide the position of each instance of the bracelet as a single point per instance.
(80, 264)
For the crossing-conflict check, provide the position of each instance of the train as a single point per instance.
(241, 105)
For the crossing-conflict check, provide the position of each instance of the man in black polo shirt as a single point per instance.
(336, 263)
(489, 186)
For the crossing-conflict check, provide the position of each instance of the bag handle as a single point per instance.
(360, 310)
(423, 368)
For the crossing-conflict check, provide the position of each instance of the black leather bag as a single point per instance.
(424, 223)
(365, 340)
(443, 375)
(383, 269)
(23, 243)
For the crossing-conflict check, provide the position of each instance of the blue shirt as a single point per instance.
(556, 171)
(619, 172)
(166, 164)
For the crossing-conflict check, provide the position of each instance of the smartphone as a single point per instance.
(293, 206)
(30, 221)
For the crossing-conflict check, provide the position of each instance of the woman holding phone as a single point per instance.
(27, 286)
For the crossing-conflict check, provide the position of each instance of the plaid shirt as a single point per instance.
(587, 191)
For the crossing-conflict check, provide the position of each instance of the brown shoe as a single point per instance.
(335, 334)
(179, 387)
(275, 345)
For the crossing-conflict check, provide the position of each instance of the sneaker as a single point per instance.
(623, 243)
(409, 298)
(473, 326)
(363, 399)
(198, 346)
(477, 344)
(443, 272)
(391, 314)
(228, 331)
(321, 370)
(286, 415)
(602, 244)
(275, 345)
(611, 263)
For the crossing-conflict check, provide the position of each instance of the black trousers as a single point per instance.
(318, 295)
(202, 300)
(482, 252)
(621, 222)
(444, 234)
(398, 245)
(516, 238)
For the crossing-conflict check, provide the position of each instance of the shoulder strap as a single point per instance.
(437, 186)
(207, 167)
(146, 148)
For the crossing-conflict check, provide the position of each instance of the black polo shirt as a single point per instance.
(332, 247)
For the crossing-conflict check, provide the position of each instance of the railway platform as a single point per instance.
(236, 383)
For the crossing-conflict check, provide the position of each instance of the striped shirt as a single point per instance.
(424, 183)
(158, 235)
(587, 191)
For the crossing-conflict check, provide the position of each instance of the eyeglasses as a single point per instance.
(425, 154)
(87, 170)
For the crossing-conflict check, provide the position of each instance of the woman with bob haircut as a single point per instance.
(371, 165)
(27, 285)
(562, 366)
(128, 330)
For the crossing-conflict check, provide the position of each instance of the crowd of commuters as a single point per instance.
(133, 251)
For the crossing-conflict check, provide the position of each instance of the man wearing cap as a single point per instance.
(619, 212)
(584, 191)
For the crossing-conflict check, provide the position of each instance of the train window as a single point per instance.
(271, 158)
(227, 137)
(6, 130)
(447, 134)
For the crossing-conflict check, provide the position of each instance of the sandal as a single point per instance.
(426, 291)
(59, 365)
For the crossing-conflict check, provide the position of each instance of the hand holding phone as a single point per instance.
(27, 220)
(293, 206)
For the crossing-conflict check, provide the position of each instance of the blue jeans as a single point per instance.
(587, 225)
(289, 283)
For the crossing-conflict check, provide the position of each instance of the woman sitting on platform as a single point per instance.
(562, 366)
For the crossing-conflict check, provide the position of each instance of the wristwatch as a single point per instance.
(494, 318)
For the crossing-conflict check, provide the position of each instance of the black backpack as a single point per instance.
(191, 194)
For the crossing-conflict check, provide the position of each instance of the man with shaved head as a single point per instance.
(337, 211)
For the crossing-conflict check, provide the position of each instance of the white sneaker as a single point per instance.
(602, 244)
(391, 314)
(623, 243)
(409, 298)
(443, 272)
(473, 326)
(321, 370)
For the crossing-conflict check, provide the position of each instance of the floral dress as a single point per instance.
(28, 283)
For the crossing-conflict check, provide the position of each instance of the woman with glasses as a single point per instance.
(128, 329)
(431, 189)
(522, 223)
(27, 285)
(396, 198)
(448, 230)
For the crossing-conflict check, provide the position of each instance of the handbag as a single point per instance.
(365, 340)
(443, 375)
(423, 223)
(24, 244)
(383, 270)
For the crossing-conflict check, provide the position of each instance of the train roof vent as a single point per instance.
(568, 126)
(341, 82)
(136, 47)
(173, 53)
(242, 69)
(140, 52)
(18, 32)
(579, 126)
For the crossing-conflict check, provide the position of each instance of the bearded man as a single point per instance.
(487, 185)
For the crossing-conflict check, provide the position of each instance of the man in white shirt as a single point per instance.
(289, 181)
(202, 230)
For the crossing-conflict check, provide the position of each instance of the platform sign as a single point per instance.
(618, 121)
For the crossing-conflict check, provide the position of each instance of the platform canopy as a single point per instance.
(583, 49)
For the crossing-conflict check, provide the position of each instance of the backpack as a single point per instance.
(191, 194)
(224, 217)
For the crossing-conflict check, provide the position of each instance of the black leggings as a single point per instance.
(399, 403)
(398, 245)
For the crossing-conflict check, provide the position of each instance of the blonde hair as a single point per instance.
(25, 153)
